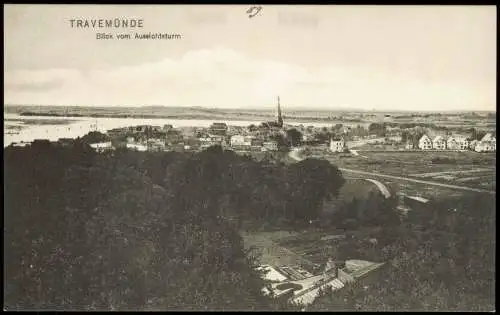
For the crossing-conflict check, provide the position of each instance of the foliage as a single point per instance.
(283, 144)
(145, 231)
(95, 137)
(377, 129)
(441, 259)
(294, 137)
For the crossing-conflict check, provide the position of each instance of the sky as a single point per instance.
(436, 58)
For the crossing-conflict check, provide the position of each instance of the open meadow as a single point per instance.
(471, 169)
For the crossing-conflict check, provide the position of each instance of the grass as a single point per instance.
(410, 164)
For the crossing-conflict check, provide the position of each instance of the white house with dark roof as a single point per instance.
(439, 143)
(425, 143)
(457, 142)
(487, 144)
(337, 144)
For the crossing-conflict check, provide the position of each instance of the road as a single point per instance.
(294, 155)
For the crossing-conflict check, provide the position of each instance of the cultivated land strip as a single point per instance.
(453, 172)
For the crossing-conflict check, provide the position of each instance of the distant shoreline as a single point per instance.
(257, 118)
(248, 110)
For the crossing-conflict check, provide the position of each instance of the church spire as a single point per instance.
(280, 119)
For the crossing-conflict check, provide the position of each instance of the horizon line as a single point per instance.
(266, 107)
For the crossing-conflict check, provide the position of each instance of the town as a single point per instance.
(301, 279)
(250, 158)
(276, 135)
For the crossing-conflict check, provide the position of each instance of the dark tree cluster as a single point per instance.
(441, 259)
(145, 231)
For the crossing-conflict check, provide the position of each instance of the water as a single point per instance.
(80, 126)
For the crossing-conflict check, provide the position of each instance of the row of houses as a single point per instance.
(486, 144)
(248, 142)
(238, 142)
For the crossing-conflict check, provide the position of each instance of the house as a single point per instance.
(457, 143)
(424, 143)
(439, 143)
(210, 140)
(395, 138)
(240, 140)
(337, 145)
(102, 146)
(138, 129)
(270, 146)
(21, 144)
(486, 146)
(137, 147)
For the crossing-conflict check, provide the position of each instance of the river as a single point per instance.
(80, 126)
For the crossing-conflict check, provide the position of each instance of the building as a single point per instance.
(102, 146)
(275, 125)
(21, 144)
(395, 138)
(240, 140)
(439, 143)
(137, 147)
(424, 143)
(270, 146)
(279, 118)
(211, 140)
(487, 144)
(337, 144)
(457, 143)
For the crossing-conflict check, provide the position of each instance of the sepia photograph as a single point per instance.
(249, 157)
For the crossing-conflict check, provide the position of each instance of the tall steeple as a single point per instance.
(280, 119)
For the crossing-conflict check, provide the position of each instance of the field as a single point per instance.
(470, 169)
